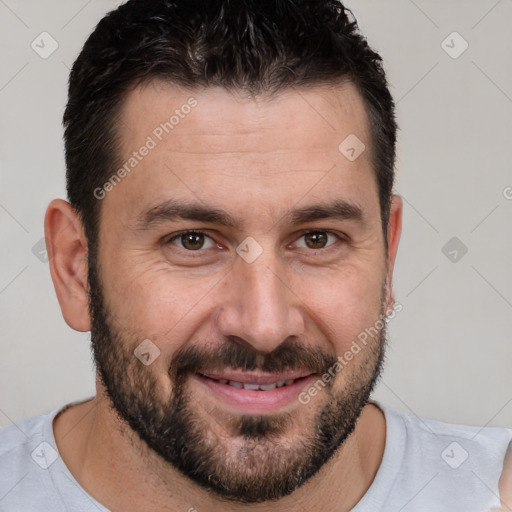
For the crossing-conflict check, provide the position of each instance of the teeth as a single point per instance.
(255, 387)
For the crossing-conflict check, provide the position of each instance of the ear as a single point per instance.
(394, 232)
(67, 255)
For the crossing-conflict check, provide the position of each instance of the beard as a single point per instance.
(243, 458)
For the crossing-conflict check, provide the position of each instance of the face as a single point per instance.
(245, 252)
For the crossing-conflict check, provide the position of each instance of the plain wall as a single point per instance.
(450, 352)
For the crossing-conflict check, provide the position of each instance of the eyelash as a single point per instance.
(341, 238)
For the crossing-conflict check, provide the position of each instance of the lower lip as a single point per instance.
(256, 401)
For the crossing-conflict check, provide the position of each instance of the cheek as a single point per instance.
(150, 301)
(345, 305)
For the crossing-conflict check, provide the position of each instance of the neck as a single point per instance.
(115, 467)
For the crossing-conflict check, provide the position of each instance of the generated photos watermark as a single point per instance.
(152, 141)
(362, 339)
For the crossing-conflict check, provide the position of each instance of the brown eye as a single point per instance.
(192, 241)
(317, 240)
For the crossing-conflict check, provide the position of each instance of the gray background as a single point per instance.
(450, 355)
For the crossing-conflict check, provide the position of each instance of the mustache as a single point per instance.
(289, 355)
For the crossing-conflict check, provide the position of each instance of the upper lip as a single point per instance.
(255, 377)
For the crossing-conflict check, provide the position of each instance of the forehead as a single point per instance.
(246, 120)
(230, 150)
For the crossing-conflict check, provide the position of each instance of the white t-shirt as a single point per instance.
(427, 466)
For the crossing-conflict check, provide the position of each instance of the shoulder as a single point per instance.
(450, 462)
(26, 452)
(33, 476)
(19, 439)
(438, 432)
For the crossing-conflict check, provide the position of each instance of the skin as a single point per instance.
(257, 159)
(505, 482)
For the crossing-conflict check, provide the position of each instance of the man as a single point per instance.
(229, 241)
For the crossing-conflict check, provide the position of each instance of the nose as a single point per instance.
(258, 305)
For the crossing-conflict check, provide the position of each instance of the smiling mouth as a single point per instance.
(255, 392)
(254, 386)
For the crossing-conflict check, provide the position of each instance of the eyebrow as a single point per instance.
(173, 210)
(339, 209)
